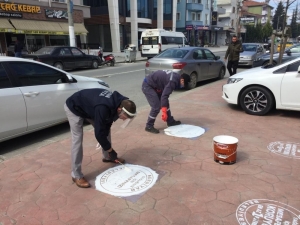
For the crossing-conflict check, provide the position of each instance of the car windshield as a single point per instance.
(173, 53)
(45, 51)
(249, 48)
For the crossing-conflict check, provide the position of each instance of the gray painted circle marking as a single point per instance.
(286, 149)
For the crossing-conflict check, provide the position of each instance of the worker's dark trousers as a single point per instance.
(154, 101)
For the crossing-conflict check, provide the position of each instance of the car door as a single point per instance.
(66, 57)
(13, 108)
(213, 64)
(45, 91)
(199, 64)
(79, 57)
(290, 84)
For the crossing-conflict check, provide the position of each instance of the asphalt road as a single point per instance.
(124, 77)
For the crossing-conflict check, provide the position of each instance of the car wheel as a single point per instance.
(95, 64)
(256, 100)
(192, 84)
(221, 73)
(268, 62)
(58, 65)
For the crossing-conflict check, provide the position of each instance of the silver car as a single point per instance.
(32, 95)
(200, 63)
(251, 52)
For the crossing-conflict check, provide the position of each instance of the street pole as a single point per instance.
(272, 48)
(71, 23)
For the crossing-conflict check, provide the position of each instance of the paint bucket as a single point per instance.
(225, 148)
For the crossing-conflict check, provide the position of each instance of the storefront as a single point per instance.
(37, 25)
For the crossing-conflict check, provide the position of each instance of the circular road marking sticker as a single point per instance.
(266, 212)
(286, 149)
(184, 131)
(124, 181)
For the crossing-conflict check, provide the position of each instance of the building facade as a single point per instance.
(39, 23)
(116, 23)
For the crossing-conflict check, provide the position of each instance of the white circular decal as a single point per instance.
(287, 149)
(184, 131)
(266, 212)
(126, 180)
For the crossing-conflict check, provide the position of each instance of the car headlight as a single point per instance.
(233, 80)
(103, 83)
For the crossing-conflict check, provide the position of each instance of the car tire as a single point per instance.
(193, 83)
(59, 65)
(256, 100)
(221, 73)
(95, 64)
(268, 62)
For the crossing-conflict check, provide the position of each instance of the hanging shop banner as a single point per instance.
(3, 30)
(20, 8)
(58, 14)
(11, 15)
(41, 32)
(189, 27)
(247, 20)
(214, 18)
(217, 28)
(199, 27)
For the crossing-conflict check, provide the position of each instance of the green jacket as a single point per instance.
(234, 50)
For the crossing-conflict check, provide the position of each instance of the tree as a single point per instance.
(267, 30)
(278, 18)
(294, 26)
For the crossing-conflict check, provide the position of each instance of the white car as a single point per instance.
(32, 95)
(258, 90)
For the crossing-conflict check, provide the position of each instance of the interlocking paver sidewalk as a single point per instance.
(36, 187)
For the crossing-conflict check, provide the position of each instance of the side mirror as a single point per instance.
(288, 52)
(217, 57)
(70, 78)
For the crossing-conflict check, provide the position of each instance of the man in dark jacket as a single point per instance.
(233, 54)
(100, 107)
(18, 49)
(157, 87)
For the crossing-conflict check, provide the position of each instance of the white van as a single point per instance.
(156, 40)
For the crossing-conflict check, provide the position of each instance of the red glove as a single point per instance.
(164, 115)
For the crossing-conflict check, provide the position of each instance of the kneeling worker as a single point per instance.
(157, 87)
(101, 108)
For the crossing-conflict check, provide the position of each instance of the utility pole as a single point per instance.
(71, 23)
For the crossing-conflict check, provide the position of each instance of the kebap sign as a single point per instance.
(266, 212)
(20, 8)
(286, 149)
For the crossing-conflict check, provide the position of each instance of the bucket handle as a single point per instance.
(222, 155)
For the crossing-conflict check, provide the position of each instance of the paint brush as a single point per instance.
(126, 168)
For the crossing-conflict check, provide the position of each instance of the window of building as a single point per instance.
(58, 0)
(178, 1)
(167, 9)
(95, 3)
(232, 22)
(207, 4)
(233, 9)
(193, 16)
(206, 19)
(177, 16)
(143, 9)
(198, 16)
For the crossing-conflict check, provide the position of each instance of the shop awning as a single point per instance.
(36, 27)
(5, 26)
(79, 28)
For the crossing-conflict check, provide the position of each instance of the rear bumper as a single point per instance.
(148, 55)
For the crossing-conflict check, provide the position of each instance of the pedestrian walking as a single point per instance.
(157, 88)
(101, 108)
(233, 54)
(18, 49)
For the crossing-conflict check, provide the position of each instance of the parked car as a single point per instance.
(251, 52)
(289, 54)
(200, 63)
(65, 57)
(258, 90)
(32, 95)
(288, 44)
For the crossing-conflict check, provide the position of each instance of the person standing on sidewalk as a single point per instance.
(157, 87)
(101, 108)
(233, 54)
(18, 49)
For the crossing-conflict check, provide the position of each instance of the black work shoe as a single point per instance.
(152, 130)
(174, 123)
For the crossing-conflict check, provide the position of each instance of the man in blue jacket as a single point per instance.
(101, 108)
(157, 88)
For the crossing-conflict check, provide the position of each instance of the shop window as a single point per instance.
(4, 80)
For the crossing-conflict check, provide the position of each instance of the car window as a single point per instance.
(152, 41)
(209, 54)
(249, 48)
(45, 51)
(293, 67)
(30, 74)
(65, 52)
(198, 54)
(4, 80)
(76, 52)
(172, 53)
(295, 49)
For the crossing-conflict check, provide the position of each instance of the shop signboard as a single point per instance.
(247, 20)
(41, 32)
(11, 15)
(217, 28)
(14, 7)
(199, 27)
(214, 18)
(59, 14)
(189, 27)
(4, 30)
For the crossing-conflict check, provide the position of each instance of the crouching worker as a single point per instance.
(101, 108)
(157, 87)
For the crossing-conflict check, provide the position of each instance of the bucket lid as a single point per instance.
(225, 139)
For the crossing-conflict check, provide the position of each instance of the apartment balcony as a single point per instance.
(221, 10)
(196, 7)
(194, 22)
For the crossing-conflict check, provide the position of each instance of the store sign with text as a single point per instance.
(214, 18)
(11, 15)
(20, 8)
(41, 32)
(58, 14)
(247, 20)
